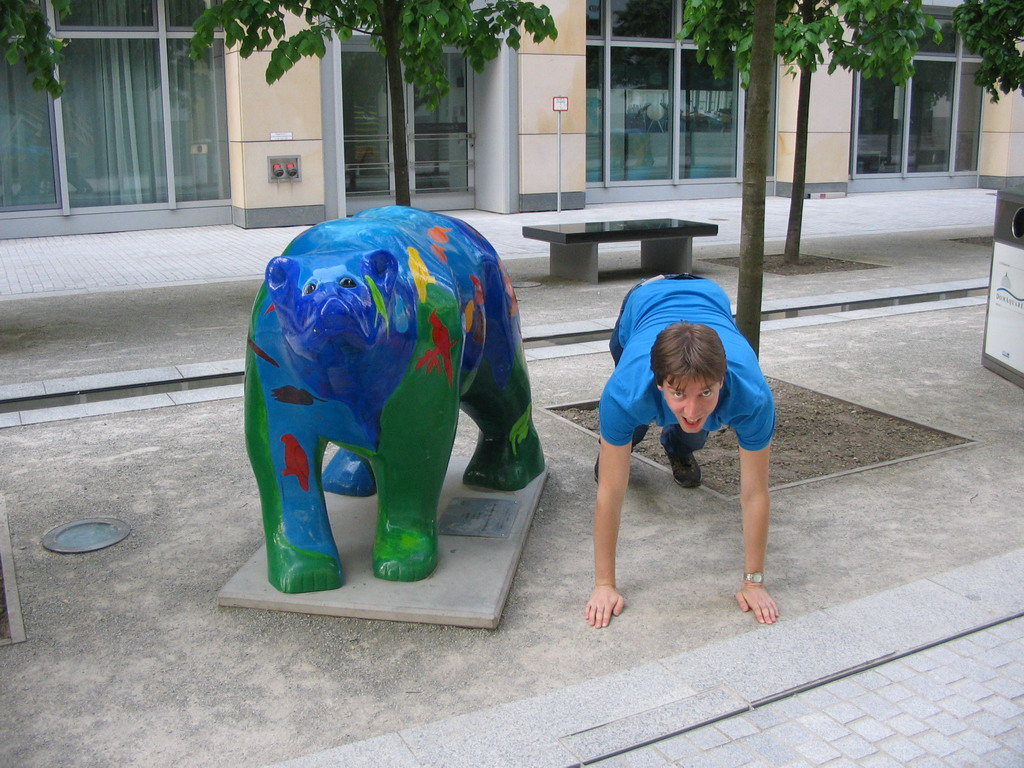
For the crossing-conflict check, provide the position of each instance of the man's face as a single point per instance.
(691, 401)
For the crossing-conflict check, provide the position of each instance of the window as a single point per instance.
(931, 116)
(110, 14)
(26, 143)
(140, 122)
(654, 113)
(640, 110)
(198, 122)
(113, 125)
(931, 124)
(439, 138)
(595, 114)
(366, 123)
(707, 124)
(880, 126)
(642, 19)
(968, 119)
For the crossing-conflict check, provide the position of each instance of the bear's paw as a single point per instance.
(292, 570)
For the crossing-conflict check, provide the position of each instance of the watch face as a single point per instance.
(753, 578)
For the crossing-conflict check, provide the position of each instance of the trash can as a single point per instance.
(1004, 320)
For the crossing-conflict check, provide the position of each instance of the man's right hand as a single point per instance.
(605, 602)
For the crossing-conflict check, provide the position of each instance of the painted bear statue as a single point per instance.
(370, 333)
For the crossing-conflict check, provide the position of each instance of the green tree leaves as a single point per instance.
(422, 30)
(410, 34)
(994, 30)
(27, 38)
(877, 38)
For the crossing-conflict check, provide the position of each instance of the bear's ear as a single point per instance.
(382, 266)
(279, 271)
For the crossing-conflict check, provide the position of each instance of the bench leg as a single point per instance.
(668, 256)
(574, 262)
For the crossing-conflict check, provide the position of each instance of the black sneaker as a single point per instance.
(685, 470)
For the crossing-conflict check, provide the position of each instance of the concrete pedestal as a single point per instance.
(468, 589)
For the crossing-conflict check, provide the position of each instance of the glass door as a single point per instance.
(442, 144)
(366, 124)
(440, 140)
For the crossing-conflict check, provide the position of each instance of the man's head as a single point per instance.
(685, 352)
(689, 367)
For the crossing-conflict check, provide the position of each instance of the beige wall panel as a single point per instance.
(292, 104)
(570, 20)
(1015, 154)
(1002, 142)
(261, 193)
(786, 108)
(828, 157)
(543, 77)
(995, 154)
(997, 117)
(538, 170)
(784, 148)
(1016, 111)
(236, 158)
(831, 101)
(233, 95)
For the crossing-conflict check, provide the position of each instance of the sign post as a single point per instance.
(559, 104)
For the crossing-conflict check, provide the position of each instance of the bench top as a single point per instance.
(617, 231)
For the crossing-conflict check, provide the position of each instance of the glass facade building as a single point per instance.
(141, 125)
(656, 116)
(145, 136)
(929, 125)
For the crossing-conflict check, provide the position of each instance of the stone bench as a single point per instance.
(666, 245)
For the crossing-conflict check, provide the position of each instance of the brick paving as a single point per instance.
(954, 705)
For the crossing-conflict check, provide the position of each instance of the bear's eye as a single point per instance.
(347, 282)
(309, 288)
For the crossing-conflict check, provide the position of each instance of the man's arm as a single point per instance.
(755, 502)
(613, 478)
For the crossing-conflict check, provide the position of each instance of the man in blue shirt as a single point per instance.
(681, 361)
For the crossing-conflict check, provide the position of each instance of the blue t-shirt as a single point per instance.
(631, 397)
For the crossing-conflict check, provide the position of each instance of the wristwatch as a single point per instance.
(753, 578)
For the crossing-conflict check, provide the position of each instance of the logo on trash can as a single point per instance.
(1005, 294)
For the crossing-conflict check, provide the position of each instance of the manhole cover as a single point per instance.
(525, 284)
(86, 535)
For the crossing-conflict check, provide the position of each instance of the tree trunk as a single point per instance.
(796, 200)
(391, 19)
(755, 173)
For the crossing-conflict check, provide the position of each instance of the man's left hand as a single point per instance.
(754, 597)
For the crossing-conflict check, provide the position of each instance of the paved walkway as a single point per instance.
(957, 704)
(119, 260)
(928, 673)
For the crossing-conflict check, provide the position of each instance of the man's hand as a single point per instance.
(605, 602)
(754, 597)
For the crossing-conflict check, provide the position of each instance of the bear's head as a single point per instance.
(345, 319)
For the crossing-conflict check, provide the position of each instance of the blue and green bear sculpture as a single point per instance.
(370, 333)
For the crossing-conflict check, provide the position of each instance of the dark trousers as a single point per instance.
(673, 439)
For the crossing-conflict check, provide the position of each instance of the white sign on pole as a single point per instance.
(559, 104)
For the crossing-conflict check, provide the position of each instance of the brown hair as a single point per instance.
(686, 351)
